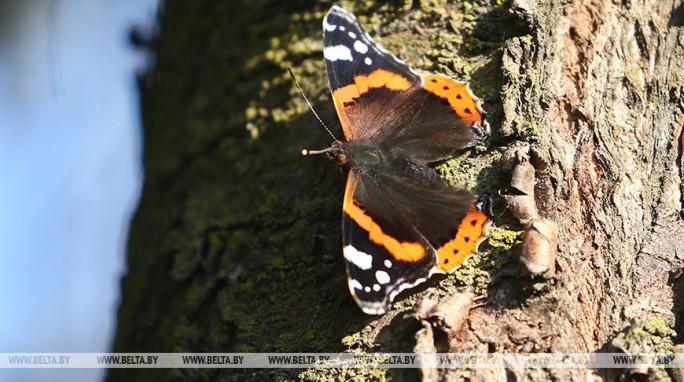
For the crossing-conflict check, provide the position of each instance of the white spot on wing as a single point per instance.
(353, 284)
(329, 27)
(361, 259)
(352, 34)
(376, 287)
(382, 277)
(373, 311)
(388, 264)
(366, 289)
(337, 52)
(342, 28)
(368, 61)
(360, 47)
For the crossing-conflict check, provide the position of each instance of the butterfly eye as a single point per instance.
(341, 158)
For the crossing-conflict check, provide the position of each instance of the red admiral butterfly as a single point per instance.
(402, 222)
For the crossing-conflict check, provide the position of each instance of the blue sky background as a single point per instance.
(70, 173)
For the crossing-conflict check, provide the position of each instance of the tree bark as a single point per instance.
(235, 246)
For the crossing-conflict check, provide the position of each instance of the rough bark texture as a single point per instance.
(236, 243)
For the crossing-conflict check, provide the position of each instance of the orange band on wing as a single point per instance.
(471, 232)
(403, 251)
(362, 84)
(464, 103)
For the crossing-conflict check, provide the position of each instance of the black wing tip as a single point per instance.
(335, 13)
(336, 10)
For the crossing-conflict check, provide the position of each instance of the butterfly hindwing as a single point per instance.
(401, 226)
(383, 256)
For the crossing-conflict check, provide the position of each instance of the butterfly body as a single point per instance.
(402, 222)
(365, 156)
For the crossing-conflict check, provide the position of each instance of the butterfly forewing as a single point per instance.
(365, 79)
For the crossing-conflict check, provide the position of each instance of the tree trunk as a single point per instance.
(235, 246)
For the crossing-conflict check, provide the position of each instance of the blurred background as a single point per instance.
(70, 172)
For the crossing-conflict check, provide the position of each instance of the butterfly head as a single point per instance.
(337, 152)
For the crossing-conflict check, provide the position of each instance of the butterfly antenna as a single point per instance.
(311, 108)
(315, 152)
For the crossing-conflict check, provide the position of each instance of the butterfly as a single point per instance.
(402, 222)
